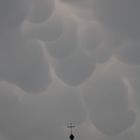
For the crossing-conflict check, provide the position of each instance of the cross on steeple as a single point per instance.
(71, 133)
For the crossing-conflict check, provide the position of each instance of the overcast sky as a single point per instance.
(69, 61)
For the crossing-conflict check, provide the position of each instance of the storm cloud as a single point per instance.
(69, 61)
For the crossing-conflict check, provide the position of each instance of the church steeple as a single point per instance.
(71, 132)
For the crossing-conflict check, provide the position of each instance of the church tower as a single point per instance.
(71, 126)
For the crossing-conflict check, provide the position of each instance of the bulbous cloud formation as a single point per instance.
(121, 15)
(24, 64)
(53, 47)
(91, 36)
(47, 131)
(127, 135)
(48, 30)
(43, 115)
(75, 69)
(96, 41)
(79, 3)
(128, 52)
(13, 13)
(132, 73)
(137, 126)
(41, 10)
(18, 122)
(66, 104)
(9, 97)
(107, 100)
(67, 43)
(26, 119)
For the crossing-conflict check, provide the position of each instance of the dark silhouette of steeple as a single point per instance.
(71, 133)
(71, 137)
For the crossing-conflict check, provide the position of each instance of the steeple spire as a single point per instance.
(71, 132)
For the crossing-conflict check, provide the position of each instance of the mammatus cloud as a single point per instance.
(9, 96)
(48, 30)
(12, 13)
(91, 36)
(44, 115)
(120, 16)
(67, 43)
(25, 65)
(96, 41)
(79, 3)
(132, 73)
(41, 10)
(54, 69)
(75, 69)
(66, 104)
(108, 106)
(128, 52)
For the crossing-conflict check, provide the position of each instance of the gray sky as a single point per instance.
(65, 61)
